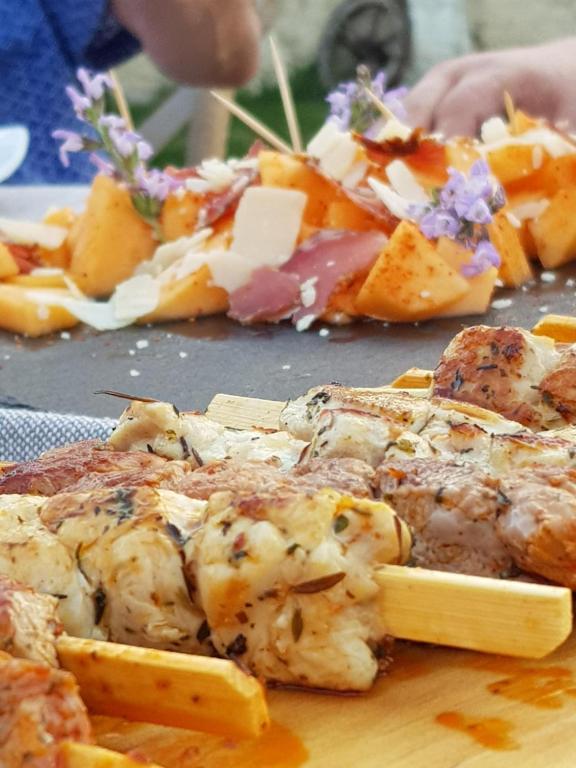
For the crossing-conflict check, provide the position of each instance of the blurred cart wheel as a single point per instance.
(372, 32)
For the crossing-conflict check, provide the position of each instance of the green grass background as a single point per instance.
(266, 106)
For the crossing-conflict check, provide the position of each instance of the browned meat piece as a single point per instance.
(28, 623)
(538, 521)
(90, 464)
(349, 476)
(501, 369)
(39, 707)
(558, 388)
(451, 509)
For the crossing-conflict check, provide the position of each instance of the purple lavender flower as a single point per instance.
(351, 108)
(72, 142)
(112, 121)
(102, 165)
(484, 257)
(125, 142)
(80, 103)
(155, 184)
(94, 87)
(438, 223)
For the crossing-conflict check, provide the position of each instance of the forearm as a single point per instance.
(200, 42)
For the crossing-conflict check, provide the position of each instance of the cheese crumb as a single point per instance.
(142, 344)
(182, 355)
(131, 352)
(286, 367)
(425, 294)
(65, 335)
(501, 304)
(323, 332)
(134, 372)
(548, 277)
(570, 282)
(305, 322)
(544, 309)
(308, 292)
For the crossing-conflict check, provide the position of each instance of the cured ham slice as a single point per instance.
(269, 296)
(324, 260)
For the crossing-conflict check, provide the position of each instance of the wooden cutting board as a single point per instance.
(437, 707)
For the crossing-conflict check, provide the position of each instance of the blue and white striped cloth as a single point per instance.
(25, 434)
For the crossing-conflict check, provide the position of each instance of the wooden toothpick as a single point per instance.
(386, 111)
(120, 98)
(253, 123)
(287, 97)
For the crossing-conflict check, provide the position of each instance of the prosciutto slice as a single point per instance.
(270, 296)
(324, 260)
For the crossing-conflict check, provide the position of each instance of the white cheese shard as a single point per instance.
(267, 225)
(135, 297)
(170, 253)
(405, 183)
(336, 151)
(494, 129)
(530, 210)
(23, 232)
(395, 129)
(555, 144)
(397, 205)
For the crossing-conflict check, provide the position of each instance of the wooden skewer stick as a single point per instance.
(120, 98)
(510, 108)
(165, 688)
(72, 754)
(287, 98)
(511, 618)
(386, 111)
(253, 123)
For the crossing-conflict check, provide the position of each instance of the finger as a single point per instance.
(466, 106)
(423, 98)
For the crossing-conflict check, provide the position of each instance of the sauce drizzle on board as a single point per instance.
(490, 732)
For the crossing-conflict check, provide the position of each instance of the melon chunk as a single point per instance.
(8, 266)
(410, 280)
(33, 280)
(109, 240)
(344, 214)
(477, 301)
(515, 269)
(179, 215)
(21, 313)
(287, 172)
(191, 296)
(514, 161)
(554, 231)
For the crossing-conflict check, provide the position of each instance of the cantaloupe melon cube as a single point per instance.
(287, 172)
(461, 154)
(110, 239)
(559, 173)
(344, 214)
(191, 296)
(527, 240)
(21, 313)
(38, 281)
(179, 215)
(8, 266)
(61, 256)
(554, 231)
(477, 301)
(409, 280)
(512, 162)
(515, 269)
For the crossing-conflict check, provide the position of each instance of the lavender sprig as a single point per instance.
(462, 210)
(352, 109)
(127, 151)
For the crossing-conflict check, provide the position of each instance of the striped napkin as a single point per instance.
(25, 433)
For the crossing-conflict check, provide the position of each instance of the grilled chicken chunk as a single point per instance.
(39, 707)
(160, 429)
(452, 511)
(248, 477)
(28, 623)
(538, 522)
(129, 545)
(33, 555)
(510, 371)
(90, 464)
(287, 584)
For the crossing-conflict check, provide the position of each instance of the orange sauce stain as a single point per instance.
(278, 747)
(540, 687)
(490, 732)
(409, 662)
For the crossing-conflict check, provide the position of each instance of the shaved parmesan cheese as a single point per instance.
(531, 209)
(135, 297)
(397, 205)
(494, 129)
(404, 182)
(31, 233)
(169, 253)
(394, 129)
(355, 174)
(336, 151)
(555, 144)
(516, 223)
(47, 271)
(229, 270)
(267, 225)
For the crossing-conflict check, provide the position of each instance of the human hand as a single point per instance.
(457, 96)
